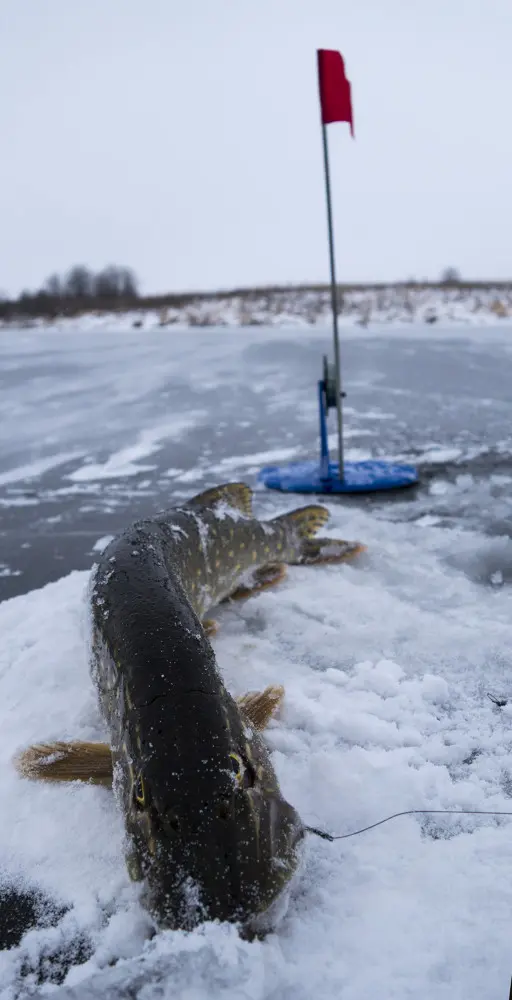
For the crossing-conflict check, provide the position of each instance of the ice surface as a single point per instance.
(387, 663)
(94, 402)
(125, 462)
(386, 666)
(257, 459)
(34, 469)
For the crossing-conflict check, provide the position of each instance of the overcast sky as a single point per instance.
(182, 137)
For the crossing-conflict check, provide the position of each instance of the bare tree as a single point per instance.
(450, 276)
(129, 284)
(53, 287)
(79, 283)
(79, 289)
(115, 282)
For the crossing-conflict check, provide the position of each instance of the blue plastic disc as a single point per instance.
(370, 476)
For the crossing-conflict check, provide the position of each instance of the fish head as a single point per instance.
(208, 829)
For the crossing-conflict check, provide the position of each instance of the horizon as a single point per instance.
(451, 283)
(464, 284)
(188, 145)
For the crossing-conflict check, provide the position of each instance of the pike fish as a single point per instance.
(207, 830)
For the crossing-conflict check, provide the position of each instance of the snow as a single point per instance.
(34, 469)
(102, 543)
(387, 662)
(302, 307)
(254, 460)
(125, 462)
(6, 570)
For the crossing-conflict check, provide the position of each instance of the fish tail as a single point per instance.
(304, 522)
(301, 526)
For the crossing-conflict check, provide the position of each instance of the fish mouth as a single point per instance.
(176, 907)
(233, 891)
(187, 903)
(229, 895)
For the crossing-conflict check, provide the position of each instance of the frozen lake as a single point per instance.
(99, 427)
(387, 663)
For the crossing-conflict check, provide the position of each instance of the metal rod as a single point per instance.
(325, 465)
(334, 303)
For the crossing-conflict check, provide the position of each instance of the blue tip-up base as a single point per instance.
(370, 476)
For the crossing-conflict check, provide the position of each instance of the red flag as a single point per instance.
(335, 97)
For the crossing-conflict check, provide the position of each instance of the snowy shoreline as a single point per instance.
(305, 307)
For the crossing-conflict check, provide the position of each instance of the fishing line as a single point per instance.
(407, 812)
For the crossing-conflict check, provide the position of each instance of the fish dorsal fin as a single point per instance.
(305, 521)
(238, 496)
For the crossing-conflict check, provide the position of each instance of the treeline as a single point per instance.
(115, 289)
(79, 290)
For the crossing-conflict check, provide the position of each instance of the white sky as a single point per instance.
(182, 137)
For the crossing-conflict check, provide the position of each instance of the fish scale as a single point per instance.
(216, 554)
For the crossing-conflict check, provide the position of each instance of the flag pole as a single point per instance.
(334, 304)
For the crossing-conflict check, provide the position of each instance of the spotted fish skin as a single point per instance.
(213, 552)
(207, 828)
(156, 580)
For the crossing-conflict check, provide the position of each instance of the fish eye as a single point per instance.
(237, 767)
(243, 772)
(139, 792)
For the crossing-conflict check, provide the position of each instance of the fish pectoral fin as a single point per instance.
(259, 706)
(211, 627)
(261, 579)
(235, 495)
(328, 550)
(74, 761)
